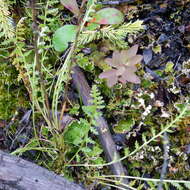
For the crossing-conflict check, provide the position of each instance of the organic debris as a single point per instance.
(140, 48)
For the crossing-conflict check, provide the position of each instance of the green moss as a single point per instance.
(11, 91)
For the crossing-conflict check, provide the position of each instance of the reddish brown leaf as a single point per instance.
(124, 64)
(71, 5)
(107, 74)
(112, 81)
(130, 52)
(129, 76)
(134, 60)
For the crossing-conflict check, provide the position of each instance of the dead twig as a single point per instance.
(102, 126)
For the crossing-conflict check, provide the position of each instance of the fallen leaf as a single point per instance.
(71, 5)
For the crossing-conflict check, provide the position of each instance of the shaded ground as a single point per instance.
(165, 46)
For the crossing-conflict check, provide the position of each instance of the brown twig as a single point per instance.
(102, 126)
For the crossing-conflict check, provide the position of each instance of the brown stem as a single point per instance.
(102, 126)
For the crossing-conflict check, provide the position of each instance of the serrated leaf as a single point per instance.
(89, 140)
(71, 5)
(136, 145)
(94, 130)
(169, 67)
(140, 187)
(86, 149)
(177, 185)
(187, 185)
(144, 138)
(108, 16)
(153, 131)
(96, 151)
(76, 132)
(152, 185)
(89, 110)
(63, 36)
(132, 183)
(126, 151)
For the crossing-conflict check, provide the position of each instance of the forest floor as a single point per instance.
(149, 120)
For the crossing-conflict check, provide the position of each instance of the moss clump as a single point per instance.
(11, 91)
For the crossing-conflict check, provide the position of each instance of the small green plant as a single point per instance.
(6, 22)
(97, 104)
(67, 33)
(132, 111)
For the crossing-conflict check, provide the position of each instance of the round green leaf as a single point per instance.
(63, 36)
(109, 16)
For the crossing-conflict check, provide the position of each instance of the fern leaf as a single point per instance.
(6, 22)
(144, 138)
(137, 145)
(178, 186)
(153, 131)
(97, 99)
(187, 185)
(114, 35)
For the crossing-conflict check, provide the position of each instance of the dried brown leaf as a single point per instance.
(129, 76)
(71, 5)
(107, 74)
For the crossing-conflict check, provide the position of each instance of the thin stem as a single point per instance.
(120, 185)
(117, 187)
(171, 124)
(141, 178)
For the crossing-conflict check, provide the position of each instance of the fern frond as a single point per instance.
(97, 99)
(19, 54)
(187, 185)
(114, 35)
(6, 22)
(178, 186)
(131, 27)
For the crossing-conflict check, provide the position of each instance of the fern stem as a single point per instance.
(140, 178)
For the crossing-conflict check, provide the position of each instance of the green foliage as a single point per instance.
(115, 34)
(6, 22)
(97, 99)
(63, 36)
(83, 147)
(124, 126)
(77, 132)
(130, 109)
(85, 62)
(169, 67)
(97, 103)
(185, 111)
(11, 92)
